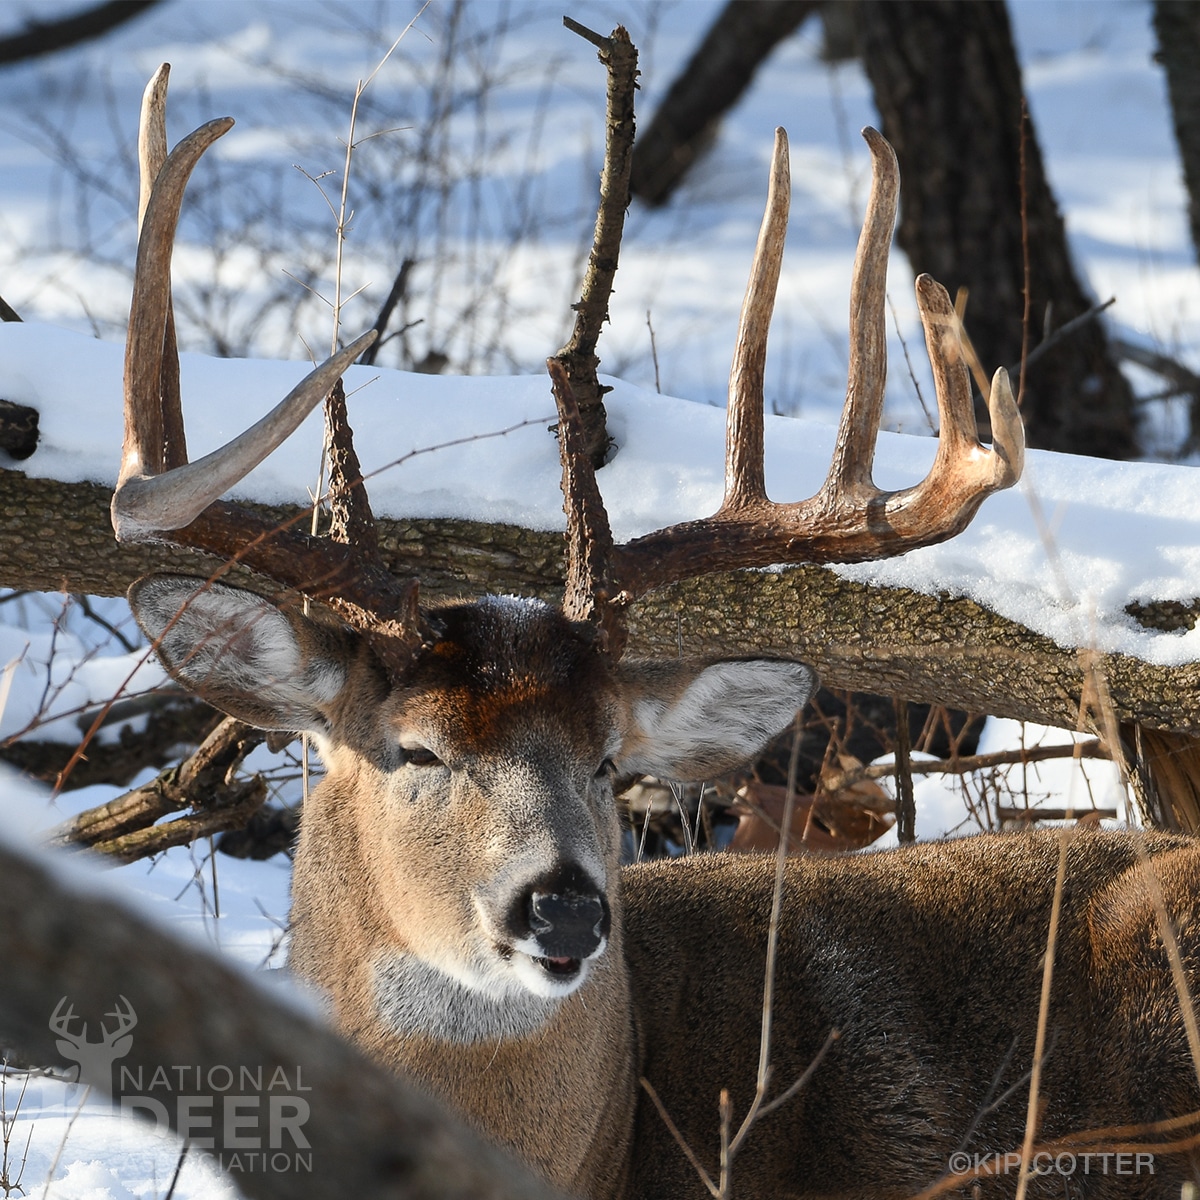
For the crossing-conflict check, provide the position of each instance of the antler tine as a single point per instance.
(854, 451)
(146, 500)
(150, 304)
(962, 464)
(179, 502)
(152, 136)
(745, 484)
(144, 505)
(152, 153)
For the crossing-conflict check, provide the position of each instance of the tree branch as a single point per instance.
(48, 37)
(932, 649)
(715, 77)
(578, 356)
(126, 829)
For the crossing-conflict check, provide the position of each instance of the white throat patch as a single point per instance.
(415, 998)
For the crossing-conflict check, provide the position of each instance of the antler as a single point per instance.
(849, 519)
(158, 492)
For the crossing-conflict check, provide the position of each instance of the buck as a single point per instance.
(458, 897)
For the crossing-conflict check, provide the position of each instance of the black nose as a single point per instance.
(568, 924)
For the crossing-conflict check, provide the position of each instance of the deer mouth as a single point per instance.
(561, 969)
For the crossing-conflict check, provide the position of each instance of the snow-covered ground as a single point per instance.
(495, 208)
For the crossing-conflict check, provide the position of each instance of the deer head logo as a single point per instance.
(94, 1060)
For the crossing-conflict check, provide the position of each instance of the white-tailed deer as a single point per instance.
(457, 891)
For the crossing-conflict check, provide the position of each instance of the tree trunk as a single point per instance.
(948, 88)
(1177, 24)
(716, 75)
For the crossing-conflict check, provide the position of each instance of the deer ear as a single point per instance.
(690, 722)
(272, 668)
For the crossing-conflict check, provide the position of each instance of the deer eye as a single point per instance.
(418, 756)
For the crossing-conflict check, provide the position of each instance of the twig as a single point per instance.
(832, 1036)
(654, 354)
(602, 43)
(183, 1153)
(1063, 332)
(62, 1145)
(1026, 266)
(1039, 1044)
(906, 805)
(680, 1141)
(85, 606)
(764, 1041)
(399, 287)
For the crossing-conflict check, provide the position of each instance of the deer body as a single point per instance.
(929, 962)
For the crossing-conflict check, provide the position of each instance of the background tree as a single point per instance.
(947, 85)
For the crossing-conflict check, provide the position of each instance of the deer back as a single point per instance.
(928, 962)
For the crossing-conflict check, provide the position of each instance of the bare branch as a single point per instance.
(578, 356)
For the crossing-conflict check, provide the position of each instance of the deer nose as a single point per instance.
(568, 924)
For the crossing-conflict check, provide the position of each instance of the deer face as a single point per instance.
(474, 796)
(497, 755)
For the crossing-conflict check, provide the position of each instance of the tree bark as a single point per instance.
(948, 88)
(930, 649)
(1177, 24)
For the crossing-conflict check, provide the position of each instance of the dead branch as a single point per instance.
(578, 356)
(835, 781)
(125, 829)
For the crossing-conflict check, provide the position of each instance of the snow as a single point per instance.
(1063, 553)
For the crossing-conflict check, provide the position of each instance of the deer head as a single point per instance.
(458, 867)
